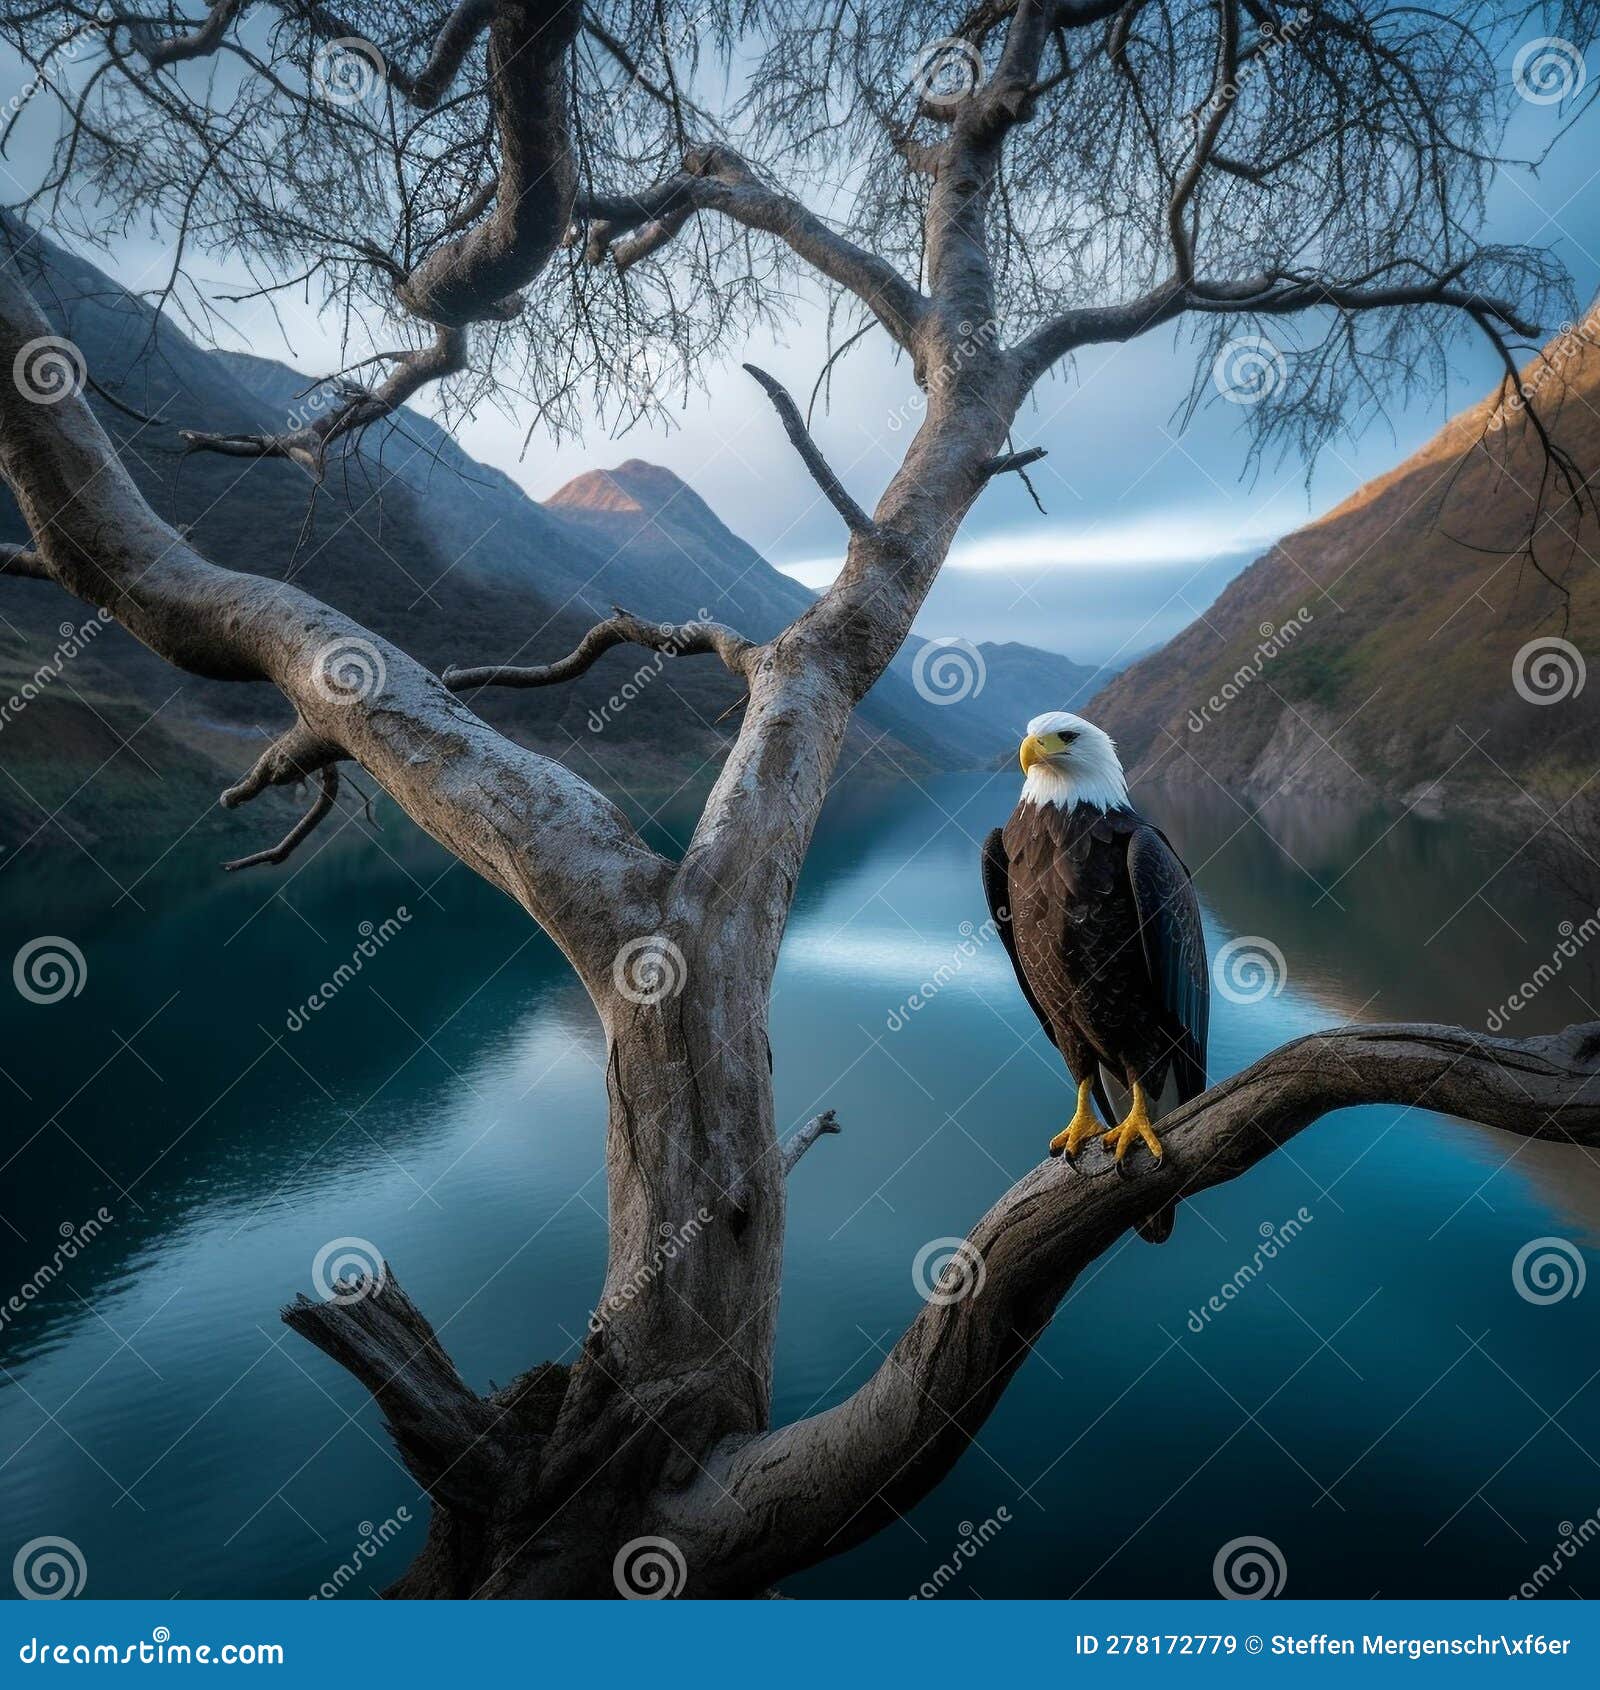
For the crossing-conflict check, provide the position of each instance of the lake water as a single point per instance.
(1380, 1403)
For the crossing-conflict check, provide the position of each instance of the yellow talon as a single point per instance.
(1082, 1127)
(1137, 1125)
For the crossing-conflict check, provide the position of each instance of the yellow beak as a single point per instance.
(1032, 752)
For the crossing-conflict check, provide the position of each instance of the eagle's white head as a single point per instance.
(1070, 761)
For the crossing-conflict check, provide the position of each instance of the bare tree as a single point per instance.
(1047, 175)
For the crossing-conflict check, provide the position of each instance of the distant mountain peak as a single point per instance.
(634, 487)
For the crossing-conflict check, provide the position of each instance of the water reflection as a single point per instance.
(447, 1104)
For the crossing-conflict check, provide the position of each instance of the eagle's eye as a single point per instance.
(1066, 739)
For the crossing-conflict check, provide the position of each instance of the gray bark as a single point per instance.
(661, 1425)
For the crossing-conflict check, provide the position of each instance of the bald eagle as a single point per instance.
(1099, 916)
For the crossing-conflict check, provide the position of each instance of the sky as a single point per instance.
(1146, 519)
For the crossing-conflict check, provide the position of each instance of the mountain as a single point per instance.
(655, 528)
(1403, 645)
(447, 557)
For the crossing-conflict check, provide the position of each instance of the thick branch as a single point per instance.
(479, 274)
(292, 757)
(22, 561)
(527, 824)
(444, 1431)
(684, 639)
(1274, 295)
(960, 262)
(715, 178)
(204, 39)
(815, 1488)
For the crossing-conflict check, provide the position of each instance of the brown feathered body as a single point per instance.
(1076, 929)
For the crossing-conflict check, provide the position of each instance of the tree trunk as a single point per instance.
(538, 1487)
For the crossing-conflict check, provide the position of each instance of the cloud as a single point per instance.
(1164, 539)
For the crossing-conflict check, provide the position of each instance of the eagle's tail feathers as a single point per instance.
(1102, 1100)
(1157, 1228)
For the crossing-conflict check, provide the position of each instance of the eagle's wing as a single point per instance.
(1174, 949)
(997, 892)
